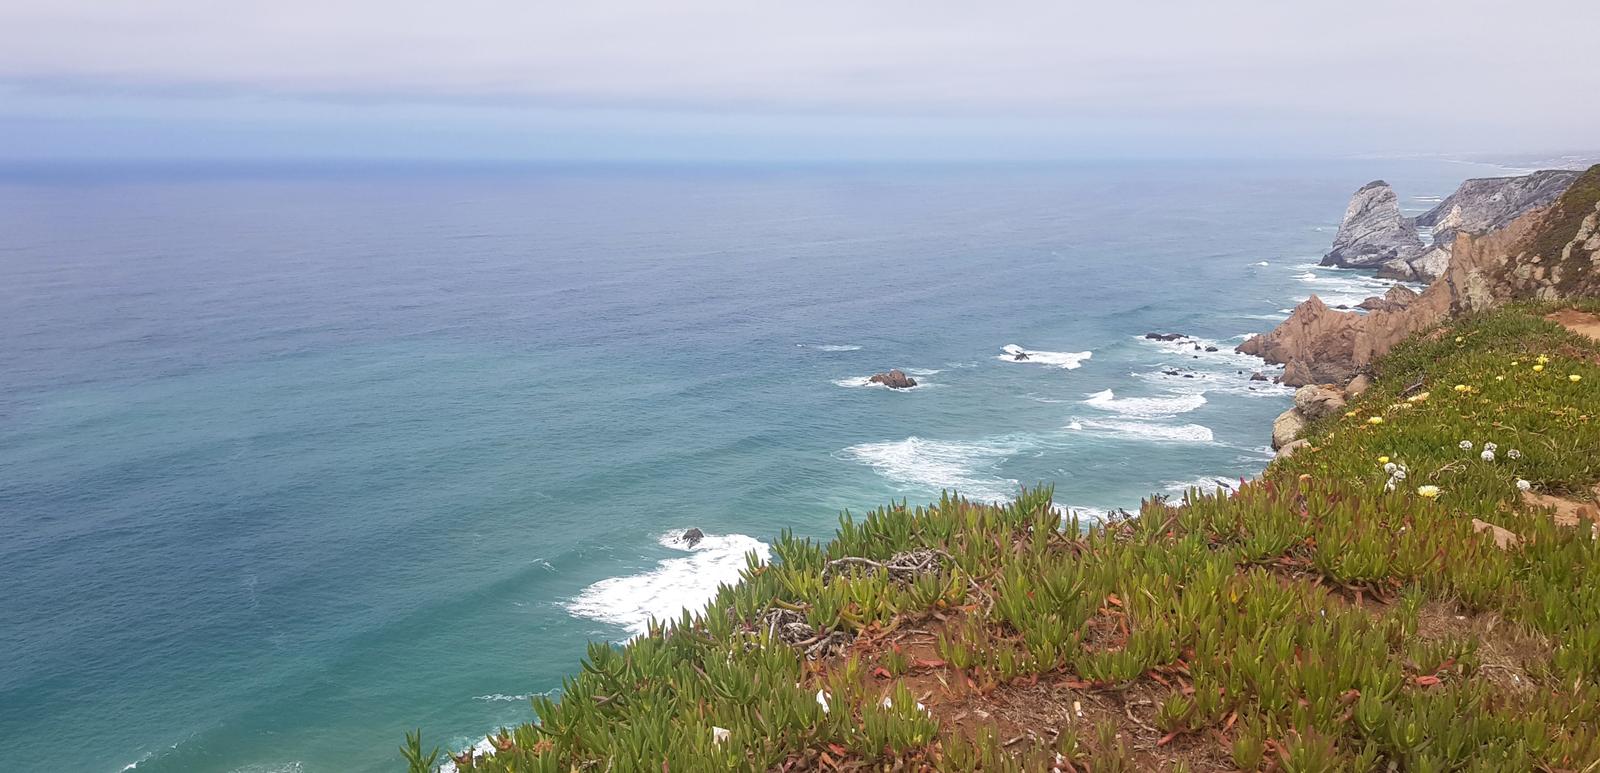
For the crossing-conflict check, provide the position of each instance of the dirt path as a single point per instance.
(1580, 322)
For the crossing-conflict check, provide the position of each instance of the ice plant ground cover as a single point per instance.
(1315, 619)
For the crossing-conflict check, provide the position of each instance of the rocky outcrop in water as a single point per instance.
(1373, 231)
(894, 379)
(1478, 206)
(1546, 254)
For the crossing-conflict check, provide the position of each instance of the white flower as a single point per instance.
(1428, 491)
(822, 700)
(1523, 485)
(1466, 445)
(1490, 447)
(1487, 455)
(1514, 454)
(1400, 474)
(1389, 486)
(719, 735)
(1391, 467)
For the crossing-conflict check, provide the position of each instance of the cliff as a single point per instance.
(1478, 206)
(1548, 253)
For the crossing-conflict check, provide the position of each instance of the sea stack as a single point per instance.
(1373, 231)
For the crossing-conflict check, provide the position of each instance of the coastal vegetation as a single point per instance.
(1415, 590)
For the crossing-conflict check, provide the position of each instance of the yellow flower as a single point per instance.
(1538, 368)
(1428, 492)
(1383, 460)
(1543, 359)
(1574, 378)
(1516, 362)
(1375, 420)
(1349, 414)
(1459, 339)
(1418, 397)
(1463, 388)
(1499, 378)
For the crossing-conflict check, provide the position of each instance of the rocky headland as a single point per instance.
(1375, 234)
(1549, 252)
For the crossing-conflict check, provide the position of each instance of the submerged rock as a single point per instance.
(1258, 376)
(894, 379)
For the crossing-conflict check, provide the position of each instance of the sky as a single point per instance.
(773, 79)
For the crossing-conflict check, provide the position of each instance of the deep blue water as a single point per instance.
(293, 462)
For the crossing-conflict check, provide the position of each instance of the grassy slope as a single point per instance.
(1309, 621)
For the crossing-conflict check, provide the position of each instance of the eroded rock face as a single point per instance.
(1546, 254)
(894, 379)
(1487, 203)
(1398, 297)
(1477, 207)
(1373, 231)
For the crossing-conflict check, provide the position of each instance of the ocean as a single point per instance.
(295, 459)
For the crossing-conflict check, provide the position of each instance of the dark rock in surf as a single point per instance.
(894, 379)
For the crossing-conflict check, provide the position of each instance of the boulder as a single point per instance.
(1373, 231)
(1290, 448)
(894, 379)
(1019, 356)
(1357, 385)
(1287, 428)
(1165, 336)
(692, 536)
(1314, 402)
(1211, 348)
(1258, 376)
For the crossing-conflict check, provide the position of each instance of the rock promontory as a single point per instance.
(1373, 231)
(1548, 253)
(1479, 206)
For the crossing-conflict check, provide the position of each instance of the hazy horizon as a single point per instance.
(713, 81)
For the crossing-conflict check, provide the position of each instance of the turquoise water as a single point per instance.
(292, 461)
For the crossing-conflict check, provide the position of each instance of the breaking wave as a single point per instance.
(673, 585)
(1067, 360)
(1146, 407)
(929, 466)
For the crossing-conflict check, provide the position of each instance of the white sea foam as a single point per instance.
(923, 371)
(927, 466)
(673, 585)
(1146, 407)
(833, 347)
(1227, 382)
(1338, 286)
(1262, 263)
(1142, 430)
(1067, 360)
(1207, 485)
